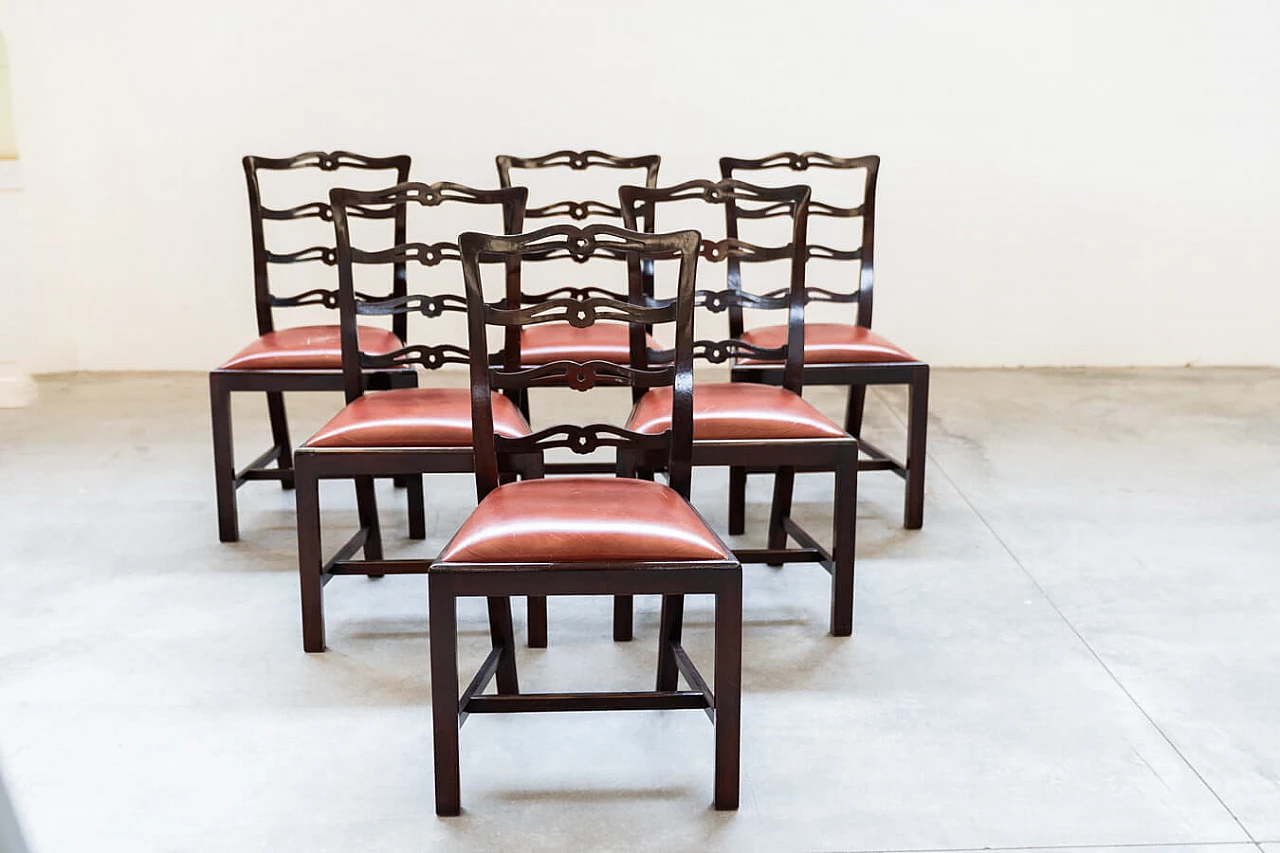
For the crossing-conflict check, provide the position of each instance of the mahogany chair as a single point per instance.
(761, 427)
(303, 358)
(398, 432)
(847, 354)
(556, 341)
(584, 535)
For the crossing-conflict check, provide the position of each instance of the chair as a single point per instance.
(304, 358)
(559, 341)
(398, 432)
(584, 535)
(746, 425)
(840, 353)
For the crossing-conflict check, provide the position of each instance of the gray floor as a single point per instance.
(1081, 648)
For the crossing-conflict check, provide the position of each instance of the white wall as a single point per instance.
(1063, 183)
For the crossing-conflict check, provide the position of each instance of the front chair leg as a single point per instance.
(728, 692)
(224, 466)
(844, 537)
(783, 485)
(310, 561)
(280, 435)
(917, 427)
(623, 618)
(443, 619)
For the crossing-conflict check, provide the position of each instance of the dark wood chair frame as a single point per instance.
(222, 383)
(914, 374)
(782, 457)
(575, 211)
(670, 450)
(362, 464)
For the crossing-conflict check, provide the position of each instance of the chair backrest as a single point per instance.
(675, 445)
(639, 211)
(264, 300)
(347, 203)
(862, 294)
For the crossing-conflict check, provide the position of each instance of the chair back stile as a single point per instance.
(346, 203)
(864, 254)
(265, 302)
(673, 445)
(639, 210)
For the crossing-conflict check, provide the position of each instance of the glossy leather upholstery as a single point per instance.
(548, 342)
(829, 343)
(307, 348)
(414, 417)
(583, 519)
(737, 410)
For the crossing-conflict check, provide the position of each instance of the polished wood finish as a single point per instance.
(222, 383)
(670, 450)
(363, 464)
(780, 456)
(859, 292)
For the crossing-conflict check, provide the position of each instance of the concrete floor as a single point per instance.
(1080, 649)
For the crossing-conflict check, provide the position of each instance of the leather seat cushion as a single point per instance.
(414, 417)
(548, 342)
(736, 410)
(583, 519)
(829, 343)
(307, 348)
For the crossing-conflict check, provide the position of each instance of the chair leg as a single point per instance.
(854, 408)
(417, 507)
(536, 618)
(917, 427)
(443, 618)
(310, 561)
(503, 636)
(367, 507)
(280, 435)
(669, 633)
(224, 465)
(623, 619)
(737, 501)
(783, 484)
(728, 692)
(844, 537)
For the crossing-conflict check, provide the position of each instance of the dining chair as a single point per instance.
(584, 535)
(404, 432)
(850, 353)
(300, 358)
(757, 426)
(557, 341)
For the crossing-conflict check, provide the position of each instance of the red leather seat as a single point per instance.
(414, 417)
(583, 519)
(829, 343)
(307, 348)
(734, 410)
(548, 342)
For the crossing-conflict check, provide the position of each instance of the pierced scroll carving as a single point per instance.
(578, 160)
(424, 304)
(319, 296)
(730, 247)
(430, 357)
(324, 254)
(579, 313)
(577, 210)
(582, 439)
(816, 294)
(718, 301)
(428, 255)
(587, 374)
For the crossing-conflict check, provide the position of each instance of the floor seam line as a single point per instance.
(1127, 845)
(897, 416)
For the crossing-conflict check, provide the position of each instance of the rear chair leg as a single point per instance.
(536, 617)
(737, 501)
(417, 507)
(623, 620)
(670, 632)
(844, 537)
(783, 484)
(367, 506)
(503, 636)
(280, 435)
(853, 410)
